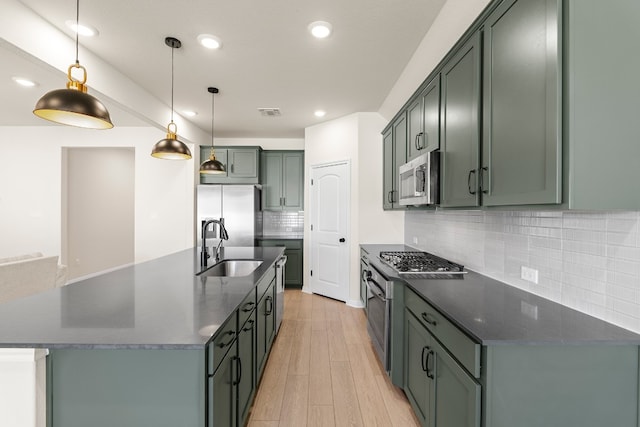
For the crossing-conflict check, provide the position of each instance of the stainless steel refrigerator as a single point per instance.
(238, 205)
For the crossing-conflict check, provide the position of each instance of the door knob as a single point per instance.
(342, 240)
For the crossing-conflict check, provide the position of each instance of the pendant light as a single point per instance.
(74, 106)
(171, 148)
(212, 166)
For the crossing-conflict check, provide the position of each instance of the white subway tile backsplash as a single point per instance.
(589, 261)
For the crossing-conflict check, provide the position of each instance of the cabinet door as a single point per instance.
(418, 369)
(272, 181)
(399, 153)
(265, 333)
(521, 155)
(293, 269)
(293, 181)
(430, 100)
(460, 130)
(388, 161)
(414, 118)
(457, 394)
(246, 373)
(261, 339)
(270, 316)
(222, 396)
(242, 163)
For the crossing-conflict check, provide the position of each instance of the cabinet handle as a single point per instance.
(417, 141)
(270, 309)
(472, 171)
(429, 371)
(428, 317)
(423, 362)
(231, 167)
(248, 307)
(366, 274)
(389, 197)
(239, 370)
(250, 327)
(482, 170)
(226, 344)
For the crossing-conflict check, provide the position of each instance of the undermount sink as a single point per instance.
(232, 268)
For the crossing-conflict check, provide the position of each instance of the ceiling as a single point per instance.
(268, 58)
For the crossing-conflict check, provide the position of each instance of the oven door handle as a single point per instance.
(375, 290)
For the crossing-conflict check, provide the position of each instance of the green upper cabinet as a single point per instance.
(282, 180)
(602, 104)
(423, 115)
(460, 127)
(394, 142)
(388, 179)
(522, 144)
(241, 164)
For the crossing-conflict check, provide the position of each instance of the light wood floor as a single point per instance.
(322, 371)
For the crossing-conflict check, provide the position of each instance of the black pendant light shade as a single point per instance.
(171, 148)
(212, 166)
(74, 106)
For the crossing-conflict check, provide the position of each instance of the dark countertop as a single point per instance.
(494, 313)
(156, 304)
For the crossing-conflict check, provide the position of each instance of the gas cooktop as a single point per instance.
(420, 263)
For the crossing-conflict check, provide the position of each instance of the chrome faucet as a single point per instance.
(204, 255)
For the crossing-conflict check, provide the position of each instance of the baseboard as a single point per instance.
(355, 303)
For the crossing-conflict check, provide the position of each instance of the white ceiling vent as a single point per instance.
(270, 112)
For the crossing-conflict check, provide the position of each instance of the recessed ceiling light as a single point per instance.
(190, 113)
(24, 82)
(320, 113)
(82, 29)
(209, 41)
(320, 29)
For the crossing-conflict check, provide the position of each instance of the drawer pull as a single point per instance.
(423, 362)
(428, 370)
(428, 317)
(225, 344)
(248, 307)
(249, 327)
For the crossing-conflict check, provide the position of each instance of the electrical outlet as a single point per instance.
(529, 274)
(415, 240)
(529, 310)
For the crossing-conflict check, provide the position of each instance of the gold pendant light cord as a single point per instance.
(213, 114)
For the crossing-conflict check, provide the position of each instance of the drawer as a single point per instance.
(463, 348)
(223, 341)
(246, 308)
(264, 283)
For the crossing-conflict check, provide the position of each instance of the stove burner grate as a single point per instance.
(419, 263)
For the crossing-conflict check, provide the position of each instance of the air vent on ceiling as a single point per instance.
(270, 112)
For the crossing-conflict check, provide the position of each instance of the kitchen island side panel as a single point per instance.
(125, 388)
(560, 386)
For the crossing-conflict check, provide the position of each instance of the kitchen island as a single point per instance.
(151, 344)
(471, 351)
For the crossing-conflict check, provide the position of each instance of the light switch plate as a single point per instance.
(529, 274)
(415, 240)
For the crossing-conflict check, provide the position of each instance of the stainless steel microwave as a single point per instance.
(418, 182)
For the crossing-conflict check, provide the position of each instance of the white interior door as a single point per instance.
(330, 230)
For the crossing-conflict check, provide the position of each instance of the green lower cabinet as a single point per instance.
(440, 391)
(293, 252)
(265, 324)
(418, 382)
(247, 373)
(222, 392)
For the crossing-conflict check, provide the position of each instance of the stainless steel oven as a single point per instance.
(378, 309)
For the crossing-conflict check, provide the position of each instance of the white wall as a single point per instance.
(356, 138)
(31, 189)
(265, 143)
(453, 20)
